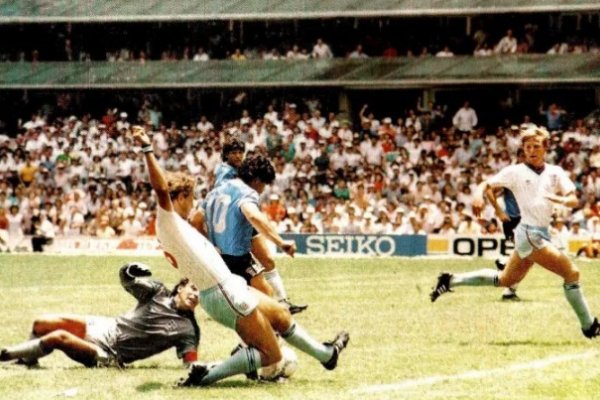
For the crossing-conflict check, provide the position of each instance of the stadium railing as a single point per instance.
(27, 11)
(401, 72)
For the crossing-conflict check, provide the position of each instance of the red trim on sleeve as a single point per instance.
(190, 356)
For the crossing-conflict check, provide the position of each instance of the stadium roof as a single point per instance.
(21, 11)
(374, 73)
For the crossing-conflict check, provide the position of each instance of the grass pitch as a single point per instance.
(468, 345)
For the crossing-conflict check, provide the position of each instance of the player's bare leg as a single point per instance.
(262, 254)
(510, 292)
(74, 347)
(555, 261)
(51, 322)
(513, 273)
(257, 330)
(259, 282)
(28, 352)
(294, 334)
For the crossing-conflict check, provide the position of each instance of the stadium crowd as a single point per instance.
(411, 174)
(300, 40)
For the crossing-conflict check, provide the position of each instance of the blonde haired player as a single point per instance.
(537, 186)
(224, 296)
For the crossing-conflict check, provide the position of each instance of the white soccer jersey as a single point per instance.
(189, 251)
(530, 189)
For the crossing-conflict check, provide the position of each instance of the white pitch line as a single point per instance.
(432, 380)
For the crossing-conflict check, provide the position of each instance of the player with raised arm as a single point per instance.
(537, 186)
(223, 295)
(264, 276)
(162, 319)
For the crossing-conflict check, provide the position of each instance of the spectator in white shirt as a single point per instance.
(345, 133)
(507, 45)
(201, 55)
(203, 126)
(372, 151)
(338, 160)
(445, 53)
(131, 226)
(317, 120)
(122, 122)
(358, 52)
(321, 50)
(465, 118)
(468, 226)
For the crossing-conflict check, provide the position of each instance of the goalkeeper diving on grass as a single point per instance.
(161, 319)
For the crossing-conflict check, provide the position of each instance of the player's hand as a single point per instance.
(554, 198)
(289, 247)
(138, 270)
(140, 136)
(477, 206)
(502, 216)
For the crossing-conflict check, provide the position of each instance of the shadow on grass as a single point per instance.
(248, 384)
(515, 301)
(156, 367)
(150, 386)
(536, 343)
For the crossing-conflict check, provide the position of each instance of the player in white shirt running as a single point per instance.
(537, 187)
(224, 296)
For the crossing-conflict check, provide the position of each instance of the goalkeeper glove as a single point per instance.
(137, 270)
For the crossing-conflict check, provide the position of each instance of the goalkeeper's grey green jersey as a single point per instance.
(154, 325)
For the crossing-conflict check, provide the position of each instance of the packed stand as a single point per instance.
(411, 174)
(304, 39)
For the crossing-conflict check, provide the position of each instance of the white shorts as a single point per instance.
(228, 301)
(102, 331)
(530, 238)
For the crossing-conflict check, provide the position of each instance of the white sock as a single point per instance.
(31, 349)
(300, 339)
(575, 297)
(482, 277)
(241, 362)
(276, 283)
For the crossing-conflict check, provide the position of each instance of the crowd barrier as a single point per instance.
(334, 245)
(359, 245)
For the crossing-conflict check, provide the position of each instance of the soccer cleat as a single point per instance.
(510, 297)
(593, 330)
(510, 294)
(294, 308)
(196, 373)
(500, 263)
(4, 356)
(442, 286)
(339, 343)
(28, 362)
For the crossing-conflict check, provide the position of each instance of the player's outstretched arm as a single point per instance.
(569, 200)
(490, 195)
(261, 223)
(478, 199)
(157, 177)
(134, 279)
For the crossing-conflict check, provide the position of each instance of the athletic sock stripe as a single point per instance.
(250, 359)
(289, 332)
(571, 286)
